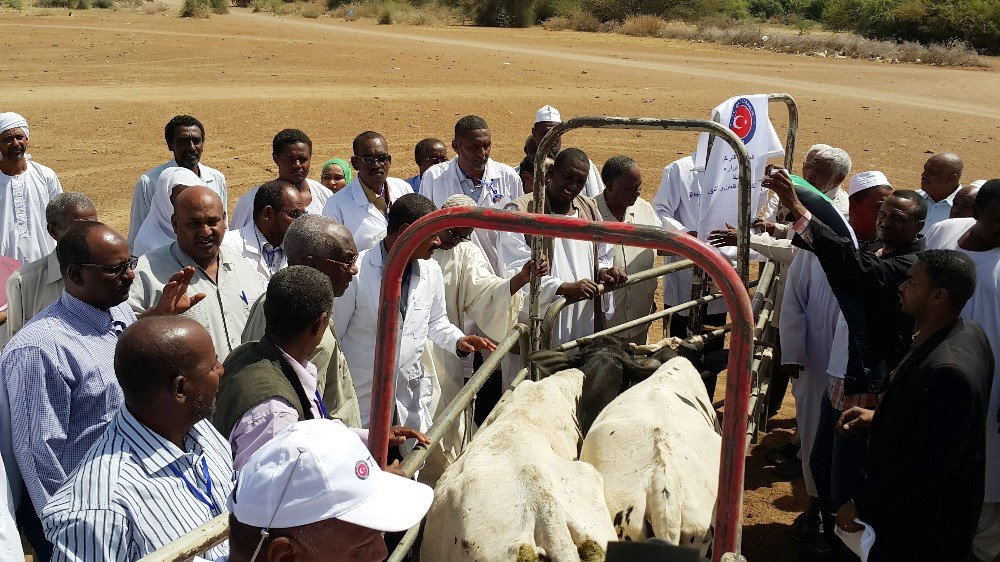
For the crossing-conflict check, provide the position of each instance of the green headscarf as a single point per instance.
(343, 166)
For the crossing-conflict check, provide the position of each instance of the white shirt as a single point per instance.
(501, 185)
(984, 309)
(251, 244)
(142, 199)
(937, 211)
(24, 235)
(243, 213)
(29, 291)
(355, 315)
(594, 185)
(351, 208)
(226, 307)
(572, 260)
(635, 301)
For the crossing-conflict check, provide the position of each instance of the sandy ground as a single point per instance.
(98, 86)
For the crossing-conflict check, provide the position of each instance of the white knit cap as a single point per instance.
(548, 114)
(317, 470)
(459, 200)
(864, 180)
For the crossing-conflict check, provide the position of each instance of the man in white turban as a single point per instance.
(25, 189)
(157, 231)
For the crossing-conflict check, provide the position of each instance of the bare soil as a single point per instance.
(98, 86)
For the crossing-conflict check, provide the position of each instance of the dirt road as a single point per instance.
(98, 86)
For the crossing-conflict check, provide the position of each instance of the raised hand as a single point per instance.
(175, 299)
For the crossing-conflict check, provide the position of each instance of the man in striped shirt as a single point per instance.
(160, 469)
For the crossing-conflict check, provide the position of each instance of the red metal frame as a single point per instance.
(731, 471)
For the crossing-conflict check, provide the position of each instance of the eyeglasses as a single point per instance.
(346, 265)
(295, 213)
(434, 160)
(460, 237)
(116, 270)
(381, 159)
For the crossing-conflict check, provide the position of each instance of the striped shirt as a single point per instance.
(126, 499)
(60, 379)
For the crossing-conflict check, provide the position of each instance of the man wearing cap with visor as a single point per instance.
(314, 492)
(547, 117)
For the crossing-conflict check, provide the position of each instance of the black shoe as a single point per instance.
(790, 470)
(781, 453)
(806, 527)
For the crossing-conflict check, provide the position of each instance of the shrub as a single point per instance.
(312, 11)
(104, 4)
(12, 4)
(642, 26)
(196, 9)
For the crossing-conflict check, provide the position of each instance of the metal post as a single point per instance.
(731, 471)
(793, 126)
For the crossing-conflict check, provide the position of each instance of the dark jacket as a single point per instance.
(926, 451)
(866, 286)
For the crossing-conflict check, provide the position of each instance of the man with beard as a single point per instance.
(364, 204)
(185, 138)
(291, 150)
(473, 173)
(222, 275)
(160, 469)
(58, 371)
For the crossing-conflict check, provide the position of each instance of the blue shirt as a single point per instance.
(125, 500)
(60, 379)
(414, 183)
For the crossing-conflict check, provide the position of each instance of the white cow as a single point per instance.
(658, 447)
(516, 493)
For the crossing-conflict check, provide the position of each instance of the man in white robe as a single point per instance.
(979, 237)
(276, 205)
(26, 187)
(38, 284)
(620, 202)
(185, 138)
(363, 205)
(576, 266)
(473, 173)
(422, 318)
(291, 150)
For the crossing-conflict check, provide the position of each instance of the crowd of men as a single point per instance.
(210, 360)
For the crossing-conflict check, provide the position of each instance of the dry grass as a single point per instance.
(388, 12)
(577, 20)
(641, 26)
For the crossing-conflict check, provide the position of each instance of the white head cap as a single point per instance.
(459, 200)
(11, 120)
(864, 180)
(317, 470)
(548, 114)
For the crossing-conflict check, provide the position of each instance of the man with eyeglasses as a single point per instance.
(326, 245)
(291, 150)
(276, 204)
(58, 372)
(363, 205)
(160, 469)
(224, 283)
(427, 153)
(474, 173)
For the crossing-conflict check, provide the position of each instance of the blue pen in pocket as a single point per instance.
(243, 297)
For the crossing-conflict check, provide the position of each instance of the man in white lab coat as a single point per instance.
(474, 173)
(576, 266)
(363, 205)
(423, 317)
(276, 204)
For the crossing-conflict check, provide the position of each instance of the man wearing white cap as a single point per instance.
(866, 193)
(314, 492)
(547, 117)
(472, 172)
(25, 189)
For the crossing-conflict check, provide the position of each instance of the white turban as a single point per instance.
(157, 230)
(11, 120)
(458, 200)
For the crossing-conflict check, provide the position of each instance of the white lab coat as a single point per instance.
(502, 185)
(247, 241)
(351, 208)
(242, 215)
(355, 316)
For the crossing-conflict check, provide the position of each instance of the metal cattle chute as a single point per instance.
(750, 350)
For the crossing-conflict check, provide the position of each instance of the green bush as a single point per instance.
(202, 8)
(620, 10)
(12, 4)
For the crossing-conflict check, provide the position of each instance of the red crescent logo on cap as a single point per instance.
(361, 470)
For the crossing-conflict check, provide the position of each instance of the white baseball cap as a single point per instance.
(548, 114)
(316, 470)
(865, 180)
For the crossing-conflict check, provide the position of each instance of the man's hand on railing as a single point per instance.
(579, 290)
(612, 276)
(521, 278)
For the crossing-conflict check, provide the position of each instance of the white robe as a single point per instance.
(145, 189)
(984, 309)
(23, 231)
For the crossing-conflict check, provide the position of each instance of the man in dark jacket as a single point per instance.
(925, 482)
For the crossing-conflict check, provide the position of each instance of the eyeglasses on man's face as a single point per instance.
(294, 213)
(381, 159)
(346, 265)
(115, 270)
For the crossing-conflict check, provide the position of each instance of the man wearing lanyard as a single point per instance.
(160, 469)
(270, 384)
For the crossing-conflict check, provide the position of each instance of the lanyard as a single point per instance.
(207, 500)
(320, 405)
